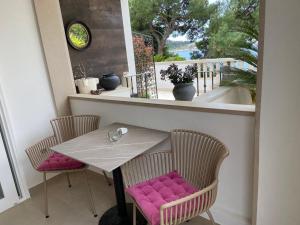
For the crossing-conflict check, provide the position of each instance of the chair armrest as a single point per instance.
(185, 208)
(40, 151)
(146, 166)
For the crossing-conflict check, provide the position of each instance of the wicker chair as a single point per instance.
(40, 152)
(69, 127)
(197, 157)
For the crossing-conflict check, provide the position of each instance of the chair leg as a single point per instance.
(107, 179)
(211, 217)
(69, 181)
(134, 215)
(91, 199)
(45, 196)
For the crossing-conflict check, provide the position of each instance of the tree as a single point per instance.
(234, 33)
(196, 55)
(215, 19)
(161, 18)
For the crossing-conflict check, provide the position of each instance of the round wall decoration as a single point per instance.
(78, 35)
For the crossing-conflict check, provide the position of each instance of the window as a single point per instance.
(222, 41)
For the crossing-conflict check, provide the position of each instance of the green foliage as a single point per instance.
(196, 55)
(178, 76)
(159, 58)
(144, 95)
(160, 18)
(233, 32)
(168, 57)
(174, 58)
(234, 26)
(78, 35)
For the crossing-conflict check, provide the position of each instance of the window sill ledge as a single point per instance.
(233, 109)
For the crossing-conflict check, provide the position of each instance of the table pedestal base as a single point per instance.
(111, 217)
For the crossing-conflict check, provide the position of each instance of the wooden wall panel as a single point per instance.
(107, 52)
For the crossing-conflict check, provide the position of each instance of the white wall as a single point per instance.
(236, 95)
(226, 95)
(52, 31)
(24, 80)
(279, 165)
(233, 205)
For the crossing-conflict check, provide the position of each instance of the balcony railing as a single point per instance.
(210, 74)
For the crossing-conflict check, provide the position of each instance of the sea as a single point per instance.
(184, 53)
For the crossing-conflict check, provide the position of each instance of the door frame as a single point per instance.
(10, 143)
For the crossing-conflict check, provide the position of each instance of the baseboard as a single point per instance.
(27, 194)
(224, 216)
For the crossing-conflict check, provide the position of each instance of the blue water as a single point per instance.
(184, 53)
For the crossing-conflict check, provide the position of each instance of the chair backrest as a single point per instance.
(40, 151)
(69, 127)
(197, 156)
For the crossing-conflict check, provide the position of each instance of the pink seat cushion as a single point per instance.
(151, 194)
(57, 161)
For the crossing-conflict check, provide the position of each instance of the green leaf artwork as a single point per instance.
(78, 36)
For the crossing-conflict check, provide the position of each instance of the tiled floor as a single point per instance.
(67, 206)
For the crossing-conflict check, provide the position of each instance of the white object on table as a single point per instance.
(123, 130)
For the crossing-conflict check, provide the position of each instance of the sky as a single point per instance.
(183, 37)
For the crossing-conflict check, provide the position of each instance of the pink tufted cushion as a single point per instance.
(57, 161)
(151, 194)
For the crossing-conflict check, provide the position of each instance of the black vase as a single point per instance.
(184, 92)
(110, 81)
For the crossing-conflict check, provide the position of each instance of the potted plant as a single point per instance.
(184, 89)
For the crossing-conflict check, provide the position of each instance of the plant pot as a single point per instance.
(86, 85)
(184, 92)
(109, 81)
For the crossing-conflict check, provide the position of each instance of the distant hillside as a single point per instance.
(180, 45)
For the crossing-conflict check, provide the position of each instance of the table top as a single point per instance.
(95, 148)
